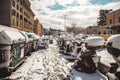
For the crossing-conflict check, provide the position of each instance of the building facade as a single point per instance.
(113, 21)
(38, 28)
(17, 14)
(109, 23)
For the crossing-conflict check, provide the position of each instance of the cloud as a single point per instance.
(114, 5)
(82, 12)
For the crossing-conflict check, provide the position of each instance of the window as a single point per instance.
(30, 23)
(17, 7)
(17, 15)
(17, 23)
(25, 20)
(111, 32)
(13, 21)
(118, 31)
(13, 3)
(99, 33)
(110, 21)
(21, 10)
(119, 19)
(104, 32)
(21, 17)
(13, 12)
(20, 2)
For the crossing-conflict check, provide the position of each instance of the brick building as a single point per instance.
(97, 30)
(90, 30)
(17, 14)
(38, 29)
(113, 21)
(109, 24)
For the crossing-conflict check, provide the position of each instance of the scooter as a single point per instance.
(87, 58)
(87, 63)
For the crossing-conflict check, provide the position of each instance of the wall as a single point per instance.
(5, 12)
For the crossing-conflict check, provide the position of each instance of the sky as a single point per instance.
(56, 13)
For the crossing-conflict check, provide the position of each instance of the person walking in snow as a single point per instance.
(85, 62)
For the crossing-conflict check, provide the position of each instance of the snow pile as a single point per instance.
(43, 65)
(106, 58)
(75, 75)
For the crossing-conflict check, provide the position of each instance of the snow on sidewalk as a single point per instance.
(50, 65)
(43, 65)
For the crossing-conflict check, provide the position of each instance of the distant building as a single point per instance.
(113, 21)
(38, 28)
(90, 30)
(17, 14)
(109, 23)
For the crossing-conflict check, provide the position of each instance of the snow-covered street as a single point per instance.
(49, 64)
(60, 40)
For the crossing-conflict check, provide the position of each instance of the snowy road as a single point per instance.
(50, 65)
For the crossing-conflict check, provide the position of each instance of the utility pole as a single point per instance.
(59, 28)
(65, 20)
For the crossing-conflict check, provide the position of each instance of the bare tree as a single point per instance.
(74, 29)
